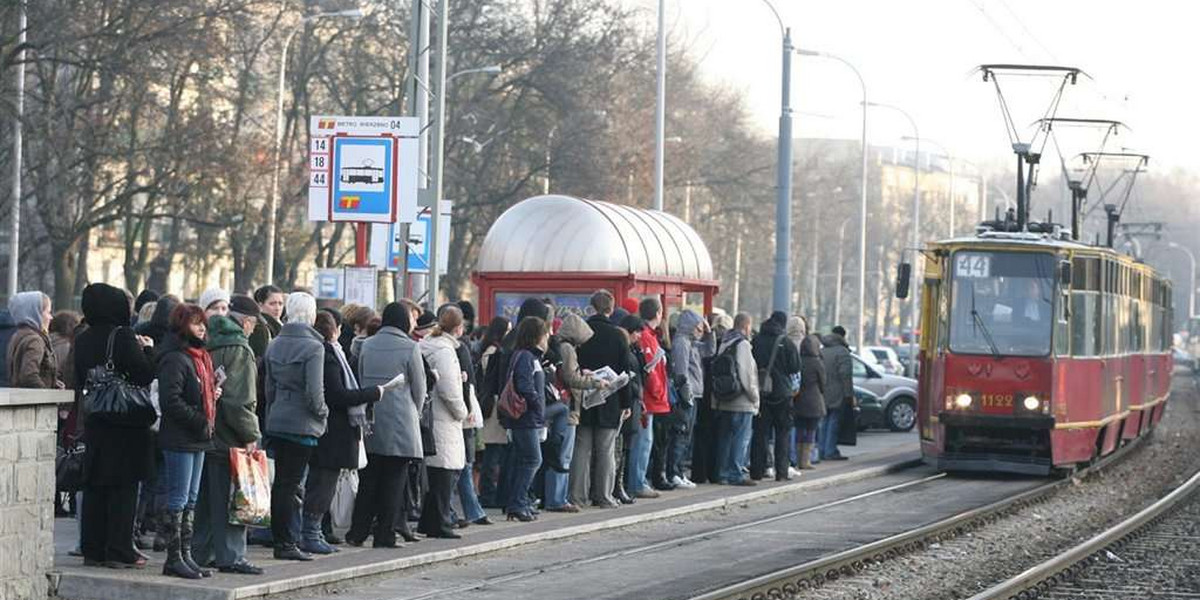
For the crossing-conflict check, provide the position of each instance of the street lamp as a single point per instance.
(1192, 277)
(916, 235)
(273, 199)
(435, 173)
(862, 222)
(14, 242)
(782, 292)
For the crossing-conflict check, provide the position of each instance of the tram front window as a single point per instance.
(1003, 303)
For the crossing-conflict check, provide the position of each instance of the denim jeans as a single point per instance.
(829, 433)
(733, 443)
(679, 459)
(639, 457)
(525, 451)
(465, 487)
(556, 482)
(491, 476)
(183, 471)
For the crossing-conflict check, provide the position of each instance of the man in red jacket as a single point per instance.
(655, 402)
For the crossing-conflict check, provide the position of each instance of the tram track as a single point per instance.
(794, 581)
(1154, 553)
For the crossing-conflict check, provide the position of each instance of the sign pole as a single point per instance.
(360, 244)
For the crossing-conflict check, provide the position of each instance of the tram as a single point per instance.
(1039, 353)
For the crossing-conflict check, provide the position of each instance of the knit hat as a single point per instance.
(630, 305)
(426, 321)
(212, 296)
(243, 305)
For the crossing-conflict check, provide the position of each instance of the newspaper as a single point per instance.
(594, 398)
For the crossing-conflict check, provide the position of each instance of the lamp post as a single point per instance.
(862, 223)
(837, 293)
(273, 199)
(1191, 277)
(782, 291)
(14, 242)
(916, 228)
(435, 171)
(660, 104)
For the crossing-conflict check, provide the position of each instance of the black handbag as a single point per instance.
(68, 469)
(108, 397)
(848, 426)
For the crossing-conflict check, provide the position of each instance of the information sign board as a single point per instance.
(363, 169)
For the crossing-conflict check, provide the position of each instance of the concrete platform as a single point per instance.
(877, 453)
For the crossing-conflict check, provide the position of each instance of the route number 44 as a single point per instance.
(319, 179)
(972, 266)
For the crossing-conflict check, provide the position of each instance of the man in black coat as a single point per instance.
(593, 466)
(780, 360)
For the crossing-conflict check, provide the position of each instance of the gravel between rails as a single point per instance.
(970, 563)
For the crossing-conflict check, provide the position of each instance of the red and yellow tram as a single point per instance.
(1038, 353)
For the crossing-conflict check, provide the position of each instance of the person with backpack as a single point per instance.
(736, 397)
(593, 465)
(778, 360)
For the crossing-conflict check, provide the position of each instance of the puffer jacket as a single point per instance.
(294, 384)
(449, 408)
(810, 402)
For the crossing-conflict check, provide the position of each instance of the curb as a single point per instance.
(100, 586)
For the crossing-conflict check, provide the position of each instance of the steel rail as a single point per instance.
(794, 580)
(679, 541)
(1043, 576)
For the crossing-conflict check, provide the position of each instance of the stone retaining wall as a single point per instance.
(28, 422)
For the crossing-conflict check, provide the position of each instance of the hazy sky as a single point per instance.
(918, 55)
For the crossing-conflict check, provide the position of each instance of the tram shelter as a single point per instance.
(565, 248)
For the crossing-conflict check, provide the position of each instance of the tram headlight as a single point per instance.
(1032, 403)
(963, 401)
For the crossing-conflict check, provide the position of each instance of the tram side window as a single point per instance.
(1085, 307)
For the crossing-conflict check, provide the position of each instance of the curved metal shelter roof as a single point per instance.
(564, 234)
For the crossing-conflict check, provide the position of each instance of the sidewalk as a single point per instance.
(876, 453)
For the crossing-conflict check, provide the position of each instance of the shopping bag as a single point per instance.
(341, 511)
(250, 488)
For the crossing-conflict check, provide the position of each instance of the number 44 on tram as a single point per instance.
(1037, 353)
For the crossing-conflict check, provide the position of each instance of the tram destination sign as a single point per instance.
(363, 169)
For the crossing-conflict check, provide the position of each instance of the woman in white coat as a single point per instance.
(439, 349)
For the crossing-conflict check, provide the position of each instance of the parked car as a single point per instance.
(870, 410)
(897, 395)
(886, 358)
(902, 356)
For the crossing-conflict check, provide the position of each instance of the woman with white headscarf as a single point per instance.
(31, 362)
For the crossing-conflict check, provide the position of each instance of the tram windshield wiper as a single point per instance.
(983, 328)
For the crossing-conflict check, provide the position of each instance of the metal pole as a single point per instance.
(953, 207)
(660, 106)
(15, 232)
(273, 199)
(1192, 277)
(435, 175)
(783, 205)
(837, 293)
(916, 244)
(814, 307)
(737, 271)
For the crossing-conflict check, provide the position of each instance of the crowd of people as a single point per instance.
(437, 418)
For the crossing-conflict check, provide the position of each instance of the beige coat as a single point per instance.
(573, 333)
(449, 408)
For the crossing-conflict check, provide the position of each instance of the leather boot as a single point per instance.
(175, 566)
(806, 456)
(619, 483)
(186, 527)
(312, 540)
(160, 540)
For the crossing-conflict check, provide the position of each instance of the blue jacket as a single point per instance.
(529, 380)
